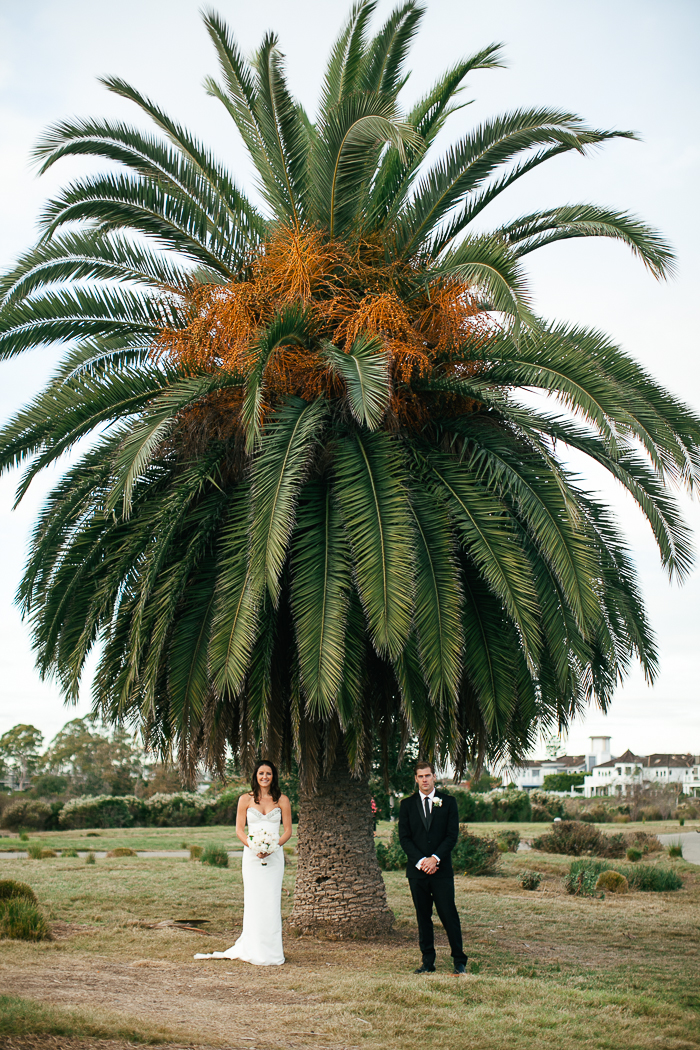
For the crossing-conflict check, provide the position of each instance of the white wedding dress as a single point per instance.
(260, 942)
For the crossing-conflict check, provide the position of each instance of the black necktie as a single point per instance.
(427, 809)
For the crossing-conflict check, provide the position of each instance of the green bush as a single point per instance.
(391, 857)
(27, 813)
(588, 864)
(650, 878)
(645, 842)
(571, 837)
(121, 851)
(510, 805)
(651, 813)
(508, 841)
(581, 883)
(540, 815)
(612, 845)
(183, 809)
(69, 852)
(633, 854)
(562, 781)
(675, 849)
(195, 852)
(475, 855)
(90, 859)
(101, 811)
(34, 850)
(612, 882)
(217, 856)
(597, 814)
(530, 880)
(10, 888)
(22, 920)
(473, 807)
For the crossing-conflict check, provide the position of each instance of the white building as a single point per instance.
(619, 776)
(531, 774)
(613, 777)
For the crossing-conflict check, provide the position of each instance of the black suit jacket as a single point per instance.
(420, 841)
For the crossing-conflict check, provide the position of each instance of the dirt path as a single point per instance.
(226, 1008)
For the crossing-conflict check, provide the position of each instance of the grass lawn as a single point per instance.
(547, 970)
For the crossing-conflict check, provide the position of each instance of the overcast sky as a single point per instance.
(619, 63)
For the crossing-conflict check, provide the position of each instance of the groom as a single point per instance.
(428, 830)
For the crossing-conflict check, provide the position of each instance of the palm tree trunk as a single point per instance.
(339, 888)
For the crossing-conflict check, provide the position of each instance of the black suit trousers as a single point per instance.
(440, 892)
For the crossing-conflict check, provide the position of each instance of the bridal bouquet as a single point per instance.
(263, 840)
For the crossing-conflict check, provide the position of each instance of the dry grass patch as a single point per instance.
(554, 971)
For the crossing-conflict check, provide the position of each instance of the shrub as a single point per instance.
(184, 809)
(530, 880)
(473, 807)
(391, 857)
(69, 852)
(645, 842)
(101, 811)
(508, 841)
(621, 818)
(597, 814)
(195, 852)
(90, 859)
(612, 882)
(10, 888)
(510, 805)
(684, 811)
(612, 845)
(653, 878)
(216, 856)
(541, 815)
(554, 804)
(651, 813)
(34, 850)
(562, 781)
(570, 836)
(634, 854)
(581, 883)
(22, 920)
(27, 813)
(121, 851)
(587, 864)
(475, 855)
(46, 854)
(675, 849)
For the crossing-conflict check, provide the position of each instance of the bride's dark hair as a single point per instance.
(275, 789)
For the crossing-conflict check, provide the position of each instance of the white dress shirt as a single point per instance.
(423, 797)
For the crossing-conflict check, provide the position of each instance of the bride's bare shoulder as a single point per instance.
(283, 800)
(245, 799)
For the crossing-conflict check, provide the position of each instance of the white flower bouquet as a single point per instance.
(263, 840)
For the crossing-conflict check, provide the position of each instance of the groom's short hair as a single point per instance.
(425, 765)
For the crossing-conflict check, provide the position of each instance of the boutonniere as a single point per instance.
(437, 801)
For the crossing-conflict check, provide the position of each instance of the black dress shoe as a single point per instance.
(425, 969)
(460, 969)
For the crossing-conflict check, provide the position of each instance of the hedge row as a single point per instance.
(182, 809)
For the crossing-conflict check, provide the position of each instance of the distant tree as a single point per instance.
(19, 752)
(49, 784)
(97, 762)
(562, 781)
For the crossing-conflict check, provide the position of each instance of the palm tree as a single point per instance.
(312, 509)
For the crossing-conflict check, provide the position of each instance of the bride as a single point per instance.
(260, 942)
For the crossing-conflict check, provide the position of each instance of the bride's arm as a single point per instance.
(286, 819)
(242, 817)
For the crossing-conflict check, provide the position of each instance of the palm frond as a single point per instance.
(365, 370)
